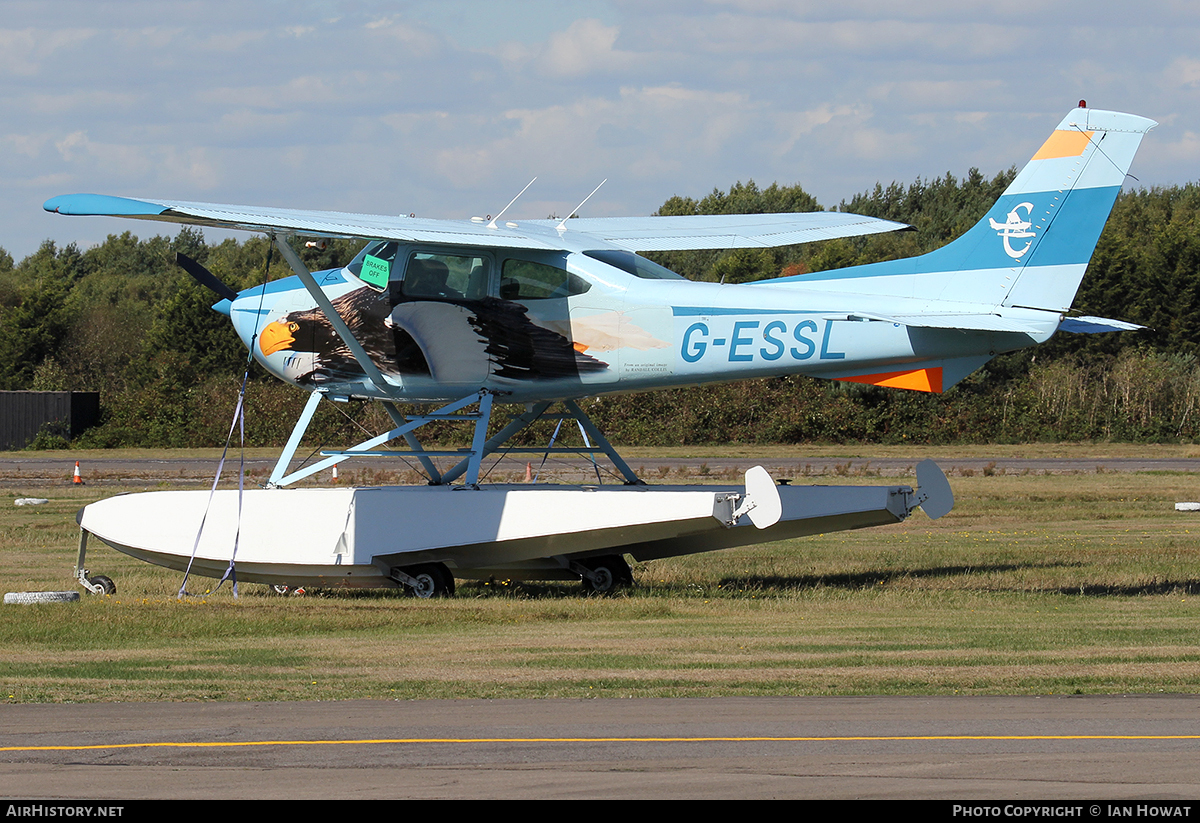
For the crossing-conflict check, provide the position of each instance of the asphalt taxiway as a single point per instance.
(969, 748)
(100, 469)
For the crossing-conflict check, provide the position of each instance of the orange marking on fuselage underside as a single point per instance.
(929, 380)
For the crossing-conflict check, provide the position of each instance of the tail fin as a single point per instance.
(1031, 249)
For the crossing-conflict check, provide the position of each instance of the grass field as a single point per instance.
(1080, 583)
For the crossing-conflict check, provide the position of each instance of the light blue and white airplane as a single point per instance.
(538, 312)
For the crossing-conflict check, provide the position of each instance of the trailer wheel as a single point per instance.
(604, 582)
(105, 583)
(433, 580)
(611, 573)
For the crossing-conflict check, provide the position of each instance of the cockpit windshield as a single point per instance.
(382, 254)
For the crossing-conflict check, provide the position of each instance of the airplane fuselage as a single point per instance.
(531, 325)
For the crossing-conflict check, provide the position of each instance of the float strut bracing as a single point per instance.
(468, 466)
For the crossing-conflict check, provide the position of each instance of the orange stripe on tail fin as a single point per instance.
(1063, 143)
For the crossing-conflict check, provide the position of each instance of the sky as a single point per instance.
(447, 109)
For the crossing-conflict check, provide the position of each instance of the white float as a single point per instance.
(373, 537)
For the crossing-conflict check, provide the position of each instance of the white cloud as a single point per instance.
(77, 104)
(232, 41)
(1183, 71)
(27, 145)
(25, 52)
(392, 33)
(72, 145)
(586, 46)
(193, 168)
(796, 126)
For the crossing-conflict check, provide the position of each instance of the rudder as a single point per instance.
(1032, 247)
(1038, 237)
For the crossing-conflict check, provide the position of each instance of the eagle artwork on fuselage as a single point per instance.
(423, 326)
(439, 319)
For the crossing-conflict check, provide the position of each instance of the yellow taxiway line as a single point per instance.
(429, 740)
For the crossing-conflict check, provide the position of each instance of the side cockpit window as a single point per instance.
(445, 276)
(526, 280)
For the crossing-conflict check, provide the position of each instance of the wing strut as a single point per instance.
(310, 284)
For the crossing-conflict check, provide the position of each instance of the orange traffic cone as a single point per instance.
(335, 473)
(528, 472)
(77, 479)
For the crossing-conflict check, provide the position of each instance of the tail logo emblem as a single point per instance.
(1015, 227)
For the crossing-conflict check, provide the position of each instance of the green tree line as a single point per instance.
(122, 319)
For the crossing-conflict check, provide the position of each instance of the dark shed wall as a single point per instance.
(24, 413)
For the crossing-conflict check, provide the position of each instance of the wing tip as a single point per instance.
(101, 204)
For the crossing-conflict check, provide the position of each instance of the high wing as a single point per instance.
(724, 231)
(730, 231)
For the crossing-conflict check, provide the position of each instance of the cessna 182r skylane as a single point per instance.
(463, 314)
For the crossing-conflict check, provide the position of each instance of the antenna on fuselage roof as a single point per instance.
(492, 224)
(563, 225)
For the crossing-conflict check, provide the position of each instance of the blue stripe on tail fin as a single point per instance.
(1030, 250)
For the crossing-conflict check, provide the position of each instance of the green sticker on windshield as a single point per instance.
(375, 272)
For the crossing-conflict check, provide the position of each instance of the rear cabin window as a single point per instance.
(526, 280)
(634, 264)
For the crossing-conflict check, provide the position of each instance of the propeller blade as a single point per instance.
(204, 277)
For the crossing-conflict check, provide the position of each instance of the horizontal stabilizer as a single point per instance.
(952, 320)
(967, 322)
(1095, 325)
